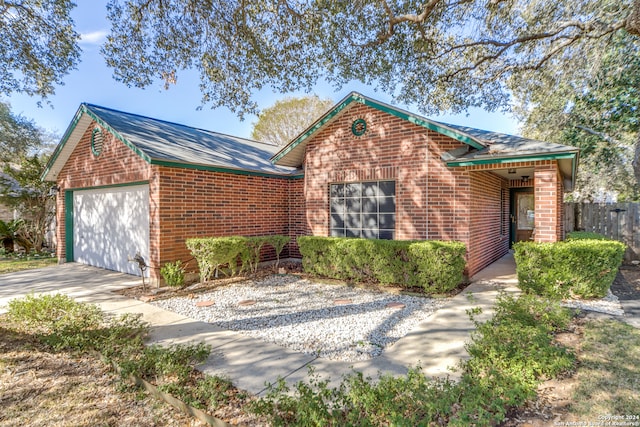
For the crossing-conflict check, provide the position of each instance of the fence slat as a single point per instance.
(618, 221)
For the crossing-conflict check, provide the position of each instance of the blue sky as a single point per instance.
(92, 82)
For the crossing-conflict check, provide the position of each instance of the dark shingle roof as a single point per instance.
(162, 141)
(505, 145)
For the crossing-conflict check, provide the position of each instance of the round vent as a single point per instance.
(97, 141)
(359, 127)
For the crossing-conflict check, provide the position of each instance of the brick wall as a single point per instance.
(489, 231)
(187, 203)
(298, 225)
(193, 203)
(431, 199)
(117, 164)
(548, 196)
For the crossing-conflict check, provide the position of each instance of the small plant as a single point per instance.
(173, 274)
(278, 243)
(251, 255)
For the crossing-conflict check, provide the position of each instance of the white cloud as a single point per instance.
(94, 37)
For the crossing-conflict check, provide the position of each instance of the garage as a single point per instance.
(111, 225)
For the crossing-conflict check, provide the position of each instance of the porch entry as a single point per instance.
(522, 215)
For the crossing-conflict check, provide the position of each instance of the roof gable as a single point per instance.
(170, 144)
(293, 153)
(482, 147)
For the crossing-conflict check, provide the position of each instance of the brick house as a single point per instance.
(131, 184)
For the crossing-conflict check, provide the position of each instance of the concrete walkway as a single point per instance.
(436, 344)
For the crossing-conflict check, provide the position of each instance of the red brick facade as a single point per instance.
(116, 165)
(186, 203)
(433, 201)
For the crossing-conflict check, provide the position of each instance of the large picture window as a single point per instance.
(363, 209)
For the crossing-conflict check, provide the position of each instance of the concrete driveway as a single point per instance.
(79, 281)
(436, 344)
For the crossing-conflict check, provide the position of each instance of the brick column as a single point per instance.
(548, 199)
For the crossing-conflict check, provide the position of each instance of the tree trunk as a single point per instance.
(633, 21)
(636, 161)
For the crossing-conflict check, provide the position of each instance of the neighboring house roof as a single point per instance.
(164, 143)
(481, 147)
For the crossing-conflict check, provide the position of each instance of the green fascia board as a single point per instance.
(451, 133)
(97, 187)
(502, 160)
(102, 123)
(85, 110)
(68, 225)
(174, 164)
(314, 128)
(355, 97)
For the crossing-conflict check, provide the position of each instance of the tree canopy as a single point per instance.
(287, 118)
(437, 55)
(39, 45)
(601, 117)
(18, 135)
(23, 156)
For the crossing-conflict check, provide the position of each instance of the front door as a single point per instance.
(522, 214)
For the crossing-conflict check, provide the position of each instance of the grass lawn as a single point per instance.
(608, 372)
(13, 265)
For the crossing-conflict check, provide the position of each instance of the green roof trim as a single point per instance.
(514, 159)
(174, 164)
(356, 97)
(102, 123)
(85, 110)
(416, 120)
(317, 125)
(99, 187)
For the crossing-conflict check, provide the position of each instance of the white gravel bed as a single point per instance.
(608, 305)
(303, 316)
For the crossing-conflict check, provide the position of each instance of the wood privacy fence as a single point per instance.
(618, 221)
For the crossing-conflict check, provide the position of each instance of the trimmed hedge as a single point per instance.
(584, 265)
(212, 253)
(433, 265)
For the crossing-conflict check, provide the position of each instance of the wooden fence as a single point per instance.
(618, 221)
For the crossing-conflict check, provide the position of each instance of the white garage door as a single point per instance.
(111, 225)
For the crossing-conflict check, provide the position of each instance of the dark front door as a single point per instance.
(522, 214)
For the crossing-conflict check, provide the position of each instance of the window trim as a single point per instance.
(339, 202)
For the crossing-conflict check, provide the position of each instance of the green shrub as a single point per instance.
(510, 355)
(211, 253)
(514, 351)
(251, 256)
(173, 274)
(433, 265)
(65, 324)
(579, 267)
(278, 243)
(585, 235)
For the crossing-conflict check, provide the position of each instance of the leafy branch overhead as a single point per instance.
(438, 55)
(39, 45)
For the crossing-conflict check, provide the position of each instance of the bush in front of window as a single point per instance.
(436, 266)
(582, 266)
